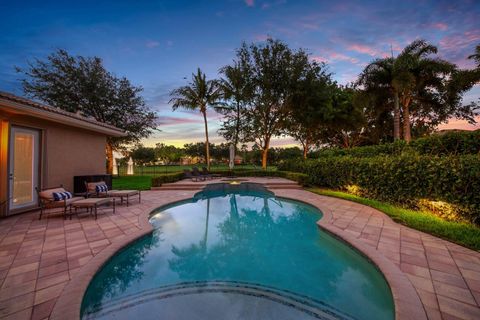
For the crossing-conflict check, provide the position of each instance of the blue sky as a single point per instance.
(157, 43)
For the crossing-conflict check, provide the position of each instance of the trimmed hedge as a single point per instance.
(157, 181)
(295, 176)
(450, 143)
(405, 179)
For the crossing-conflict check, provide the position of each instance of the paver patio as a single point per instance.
(39, 257)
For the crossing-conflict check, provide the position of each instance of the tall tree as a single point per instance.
(419, 73)
(199, 94)
(309, 106)
(236, 86)
(82, 84)
(381, 75)
(274, 67)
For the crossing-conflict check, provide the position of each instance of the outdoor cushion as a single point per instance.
(48, 193)
(101, 188)
(92, 186)
(57, 196)
(61, 204)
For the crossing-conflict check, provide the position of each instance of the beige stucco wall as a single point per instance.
(71, 152)
(65, 151)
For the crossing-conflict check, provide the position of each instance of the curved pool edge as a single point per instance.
(406, 300)
(69, 303)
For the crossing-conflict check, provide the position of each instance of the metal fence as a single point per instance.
(154, 170)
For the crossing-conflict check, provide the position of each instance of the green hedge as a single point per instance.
(452, 181)
(301, 178)
(450, 143)
(157, 181)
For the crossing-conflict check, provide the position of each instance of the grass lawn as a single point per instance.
(156, 170)
(464, 234)
(132, 182)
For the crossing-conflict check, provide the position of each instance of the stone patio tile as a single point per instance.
(433, 313)
(454, 292)
(429, 299)
(458, 309)
(43, 310)
(16, 304)
(415, 270)
(451, 279)
(415, 260)
(48, 293)
(24, 314)
(51, 280)
(55, 268)
(14, 291)
(421, 283)
(444, 267)
(23, 268)
(16, 280)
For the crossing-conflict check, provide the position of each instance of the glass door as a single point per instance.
(24, 167)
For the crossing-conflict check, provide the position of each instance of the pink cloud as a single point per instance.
(260, 37)
(362, 49)
(173, 121)
(250, 3)
(440, 26)
(459, 124)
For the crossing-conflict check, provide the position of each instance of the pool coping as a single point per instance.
(407, 303)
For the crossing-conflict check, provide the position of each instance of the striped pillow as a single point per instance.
(58, 196)
(101, 188)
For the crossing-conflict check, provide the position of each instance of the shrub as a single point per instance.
(408, 179)
(449, 143)
(166, 178)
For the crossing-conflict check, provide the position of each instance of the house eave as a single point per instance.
(20, 108)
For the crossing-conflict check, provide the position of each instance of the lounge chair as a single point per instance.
(197, 173)
(213, 175)
(97, 189)
(49, 199)
(189, 175)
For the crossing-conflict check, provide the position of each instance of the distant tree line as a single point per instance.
(220, 153)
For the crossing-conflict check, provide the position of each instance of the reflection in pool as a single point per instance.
(236, 252)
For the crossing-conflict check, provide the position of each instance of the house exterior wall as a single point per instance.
(64, 151)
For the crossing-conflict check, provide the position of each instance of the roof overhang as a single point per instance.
(20, 108)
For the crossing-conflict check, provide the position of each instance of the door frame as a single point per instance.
(36, 171)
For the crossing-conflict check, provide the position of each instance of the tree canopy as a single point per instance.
(82, 84)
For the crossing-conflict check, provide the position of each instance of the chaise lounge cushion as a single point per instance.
(48, 194)
(92, 187)
(62, 203)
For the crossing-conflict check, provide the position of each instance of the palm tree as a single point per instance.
(236, 88)
(476, 56)
(381, 74)
(198, 95)
(416, 71)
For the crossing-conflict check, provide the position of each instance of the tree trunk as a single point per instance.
(109, 151)
(265, 153)
(305, 149)
(396, 117)
(237, 129)
(407, 136)
(207, 144)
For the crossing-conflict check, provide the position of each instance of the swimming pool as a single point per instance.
(238, 252)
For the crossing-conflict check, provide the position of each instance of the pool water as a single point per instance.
(238, 252)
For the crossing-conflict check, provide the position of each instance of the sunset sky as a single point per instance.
(156, 44)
